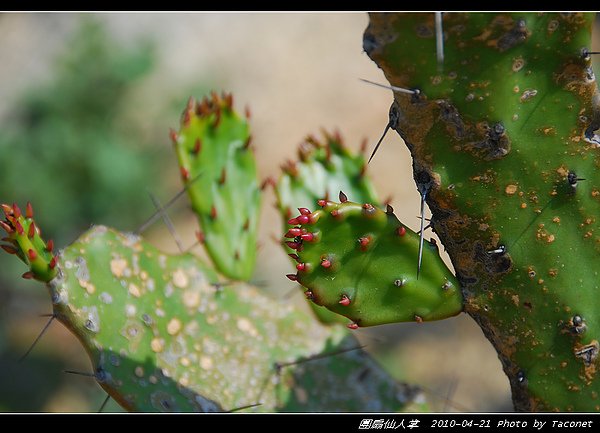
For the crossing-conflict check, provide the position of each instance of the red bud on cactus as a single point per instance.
(303, 211)
(7, 210)
(9, 249)
(197, 146)
(292, 233)
(50, 246)
(29, 210)
(302, 219)
(343, 197)
(293, 221)
(16, 211)
(308, 237)
(322, 202)
(326, 263)
(200, 236)
(345, 301)
(18, 227)
(28, 275)
(52, 263)
(293, 245)
(31, 231)
(292, 277)
(173, 135)
(352, 326)
(31, 254)
(213, 212)
(217, 117)
(401, 231)
(295, 257)
(6, 227)
(185, 174)
(301, 266)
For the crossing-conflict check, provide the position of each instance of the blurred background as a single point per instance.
(86, 102)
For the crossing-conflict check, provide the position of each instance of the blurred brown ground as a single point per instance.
(298, 72)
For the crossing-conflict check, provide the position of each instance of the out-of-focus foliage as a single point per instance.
(71, 132)
(76, 135)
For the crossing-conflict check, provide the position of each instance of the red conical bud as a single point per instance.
(29, 210)
(292, 233)
(16, 211)
(31, 254)
(31, 231)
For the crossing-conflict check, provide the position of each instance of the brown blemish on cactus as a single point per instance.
(588, 354)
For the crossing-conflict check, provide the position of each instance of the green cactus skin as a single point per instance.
(361, 262)
(502, 135)
(163, 335)
(219, 172)
(323, 168)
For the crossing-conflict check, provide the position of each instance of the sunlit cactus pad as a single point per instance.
(165, 334)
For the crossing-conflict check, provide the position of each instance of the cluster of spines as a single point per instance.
(24, 240)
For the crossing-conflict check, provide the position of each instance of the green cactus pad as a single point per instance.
(164, 335)
(321, 171)
(219, 171)
(361, 262)
(503, 133)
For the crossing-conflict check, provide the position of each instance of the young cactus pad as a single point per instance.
(163, 334)
(323, 169)
(219, 172)
(361, 262)
(503, 135)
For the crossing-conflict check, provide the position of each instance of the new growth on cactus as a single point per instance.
(24, 240)
(218, 169)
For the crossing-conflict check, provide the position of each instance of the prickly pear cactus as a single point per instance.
(218, 169)
(502, 134)
(361, 262)
(323, 168)
(163, 333)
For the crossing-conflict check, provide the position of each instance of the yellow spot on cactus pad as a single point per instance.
(206, 363)
(510, 189)
(157, 345)
(118, 266)
(180, 279)
(174, 326)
